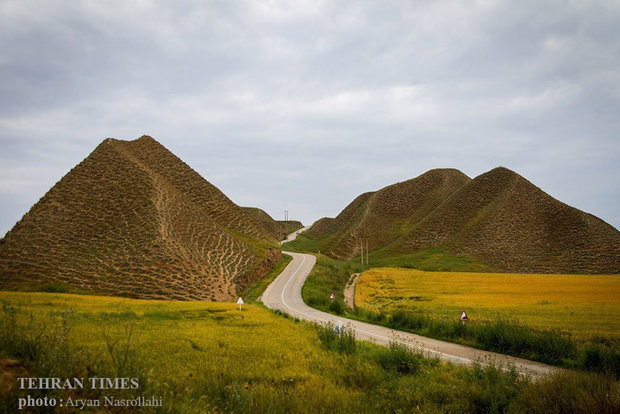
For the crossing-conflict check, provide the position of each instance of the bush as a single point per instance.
(598, 358)
(399, 358)
(339, 340)
(55, 288)
(337, 307)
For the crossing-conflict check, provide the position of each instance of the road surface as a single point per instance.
(284, 293)
(294, 234)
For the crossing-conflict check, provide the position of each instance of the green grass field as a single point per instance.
(211, 357)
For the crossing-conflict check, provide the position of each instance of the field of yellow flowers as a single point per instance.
(213, 357)
(584, 305)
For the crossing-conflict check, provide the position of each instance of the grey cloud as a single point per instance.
(304, 105)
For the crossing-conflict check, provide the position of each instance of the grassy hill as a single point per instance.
(134, 220)
(273, 227)
(445, 221)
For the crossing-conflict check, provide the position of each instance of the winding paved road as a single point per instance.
(284, 293)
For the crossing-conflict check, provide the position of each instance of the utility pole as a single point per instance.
(367, 262)
(285, 215)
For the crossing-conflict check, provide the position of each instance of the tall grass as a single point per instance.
(501, 335)
(339, 339)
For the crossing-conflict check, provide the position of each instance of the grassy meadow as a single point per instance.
(586, 306)
(211, 357)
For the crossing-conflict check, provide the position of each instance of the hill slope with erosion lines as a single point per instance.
(506, 221)
(382, 216)
(499, 219)
(134, 220)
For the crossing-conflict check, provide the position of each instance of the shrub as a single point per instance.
(339, 340)
(400, 358)
(337, 307)
(55, 288)
(599, 358)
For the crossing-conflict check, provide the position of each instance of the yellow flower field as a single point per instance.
(585, 305)
(210, 357)
(190, 346)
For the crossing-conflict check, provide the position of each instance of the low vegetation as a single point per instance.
(435, 259)
(211, 357)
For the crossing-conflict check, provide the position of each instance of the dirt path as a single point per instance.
(284, 293)
(349, 290)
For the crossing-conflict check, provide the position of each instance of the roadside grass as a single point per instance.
(328, 276)
(211, 357)
(255, 290)
(500, 331)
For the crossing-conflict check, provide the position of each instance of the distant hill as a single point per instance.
(289, 226)
(134, 220)
(277, 228)
(499, 219)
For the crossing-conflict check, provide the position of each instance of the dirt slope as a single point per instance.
(134, 220)
(264, 220)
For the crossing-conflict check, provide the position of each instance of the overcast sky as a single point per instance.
(305, 105)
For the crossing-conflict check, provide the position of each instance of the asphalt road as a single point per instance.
(284, 293)
(294, 234)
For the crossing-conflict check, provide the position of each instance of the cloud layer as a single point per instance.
(305, 105)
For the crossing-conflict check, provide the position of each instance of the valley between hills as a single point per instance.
(133, 245)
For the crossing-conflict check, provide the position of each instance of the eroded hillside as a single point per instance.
(498, 219)
(134, 220)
